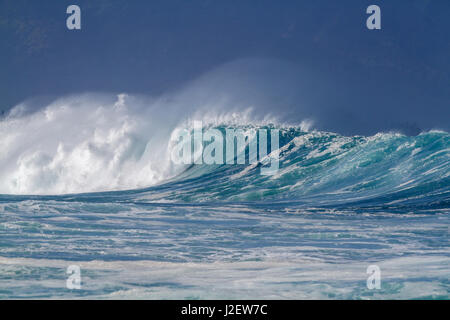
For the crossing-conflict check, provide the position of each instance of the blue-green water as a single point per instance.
(337, 205)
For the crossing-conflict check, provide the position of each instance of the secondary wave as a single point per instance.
(321, 168)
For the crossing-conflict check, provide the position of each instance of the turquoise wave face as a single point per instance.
(320, 168)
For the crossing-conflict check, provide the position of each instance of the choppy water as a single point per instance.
(337, 205)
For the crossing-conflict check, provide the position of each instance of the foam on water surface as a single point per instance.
(107, 198)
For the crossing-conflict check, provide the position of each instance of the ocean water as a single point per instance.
(336, 206)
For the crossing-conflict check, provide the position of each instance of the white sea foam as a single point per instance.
(269, 279)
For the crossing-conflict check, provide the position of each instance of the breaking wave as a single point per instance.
(74, 146)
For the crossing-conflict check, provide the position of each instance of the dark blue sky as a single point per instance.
(354, 80)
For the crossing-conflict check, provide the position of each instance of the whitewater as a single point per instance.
(87, 180)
